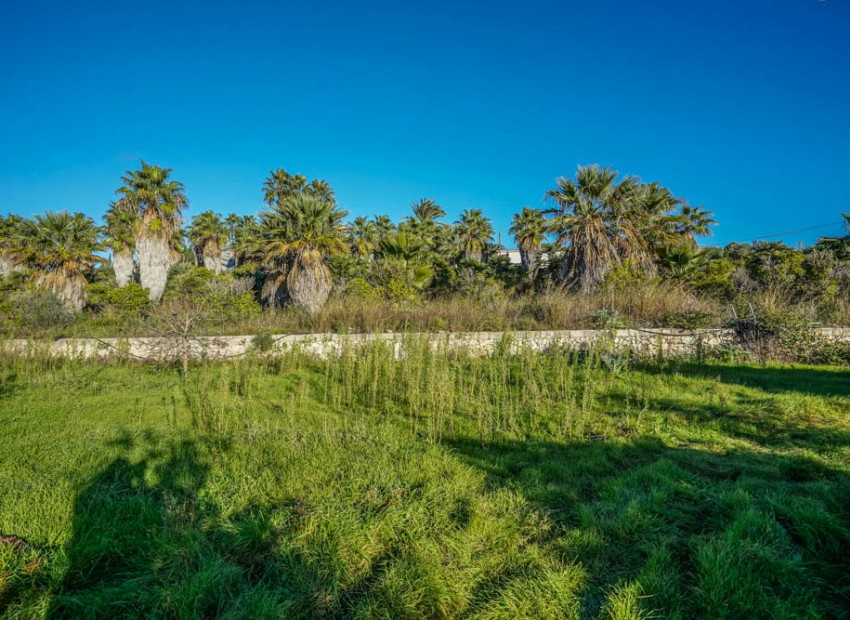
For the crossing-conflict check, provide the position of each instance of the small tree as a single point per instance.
(60, 248)
(208, 234)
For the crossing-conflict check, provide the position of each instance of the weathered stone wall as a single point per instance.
(643, 341)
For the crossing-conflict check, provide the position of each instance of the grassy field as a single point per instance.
(536, 486)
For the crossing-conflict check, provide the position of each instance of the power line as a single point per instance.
(798, 230)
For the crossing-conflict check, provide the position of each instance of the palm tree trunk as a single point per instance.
(69, 288)
(122, 264)
(155, 260)
(7, 264)
(212, 257)
(309, 286)
(473, 255)
(213, 263)
(274, 289)
(528, 258)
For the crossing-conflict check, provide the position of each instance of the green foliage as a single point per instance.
(790, 337)
(359, 288)
(262, 341)
(607, 319)
(35, 308)
(130, 300)
(715, 278)
(689, 320)
(225, 298)
(624, 275)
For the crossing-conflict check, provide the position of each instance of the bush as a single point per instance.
(686, 319)
(789, 337)
(359, 288)
(606, 319)
(130, 299)
(39, 309)
(262, 341)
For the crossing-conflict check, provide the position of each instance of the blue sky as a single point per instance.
(742, 106)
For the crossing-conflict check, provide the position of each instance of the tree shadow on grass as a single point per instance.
(805, 380)
(698, 534)
(148, 542)
(759, 420)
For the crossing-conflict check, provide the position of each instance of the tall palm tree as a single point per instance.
(423, 223)
(384, 225)
(474, 232)
(60, 248)
(595, 220)
(301, 232)
(529, 230)
(427, 210)
(208, 234)
(363, 236)
(159, 202)
(243, 237)
(280, 186)
(408, 255)
(9, 227)
(695, 221)
(122, 222)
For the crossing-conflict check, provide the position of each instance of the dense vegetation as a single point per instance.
(605, 250)
(529, 486)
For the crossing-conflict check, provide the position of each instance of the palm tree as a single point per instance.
(60, 248)
(280, 186)
(474, 232)
(9, 227)
(363, 235)
(120, 236)
(695, 221)
(405, 256)
(595, 220)
(423, 223)
(159, 202)
(209, 235)
(384, 225)
(529, 230)
(300, 233)
(243, 237)
(427, 210)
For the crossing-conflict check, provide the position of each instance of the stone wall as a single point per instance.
(664, 342)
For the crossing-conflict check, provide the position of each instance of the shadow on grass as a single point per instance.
(805, 380)
(698, 534)
(760, 420)
(147, 541)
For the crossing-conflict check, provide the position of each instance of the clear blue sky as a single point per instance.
(742, 106)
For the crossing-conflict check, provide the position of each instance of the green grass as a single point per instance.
(536, 486)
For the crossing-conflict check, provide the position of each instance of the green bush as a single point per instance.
(359, 288)
(687, 319)
(38, 309)
(262, 341)
(606, 319)
(129, 299)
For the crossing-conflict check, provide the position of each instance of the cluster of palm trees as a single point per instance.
(591, 223)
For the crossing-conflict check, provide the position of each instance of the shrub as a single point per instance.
(130, 299)
(686, 319)
(359, 288)
(262, 341)
(715, 278)
(606, 319)
(39, 309)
